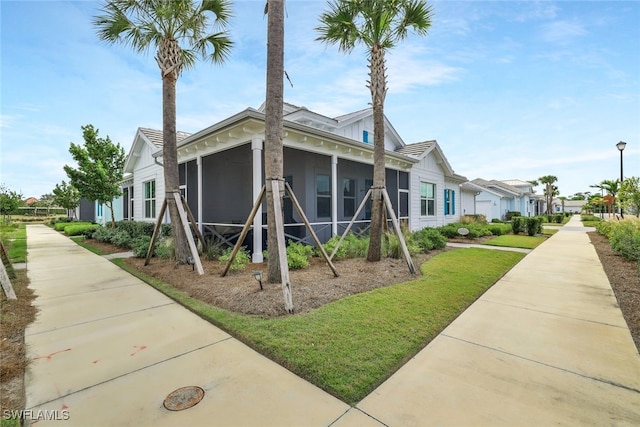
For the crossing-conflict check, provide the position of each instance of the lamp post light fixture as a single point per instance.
(258, 276)
(621, 145)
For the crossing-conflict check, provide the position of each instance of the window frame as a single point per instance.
(149, 200)
(427, 201)
(323, 196)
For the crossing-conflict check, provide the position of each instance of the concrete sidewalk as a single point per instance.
(546, 345)
(107, 349)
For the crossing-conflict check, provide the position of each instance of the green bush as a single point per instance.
(625, 239)
(239, 262)
(473, 219)
(60, 226)
(512, 214)
(79, 229)
(140, 245)
(330, 246)
(589, 218)
(298, 255)
(496, 221)
(516, 225)
(121, 238)
(104, 234)
(533, 225)
(497, 230)
(391, 246)
(557, 218)
(165, 249)
(429, 239)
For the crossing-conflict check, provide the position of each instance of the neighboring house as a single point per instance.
(327, 161)
(143, 184)
(496, 198)
(568, 206)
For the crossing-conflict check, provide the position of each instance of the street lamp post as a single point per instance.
(621, 145)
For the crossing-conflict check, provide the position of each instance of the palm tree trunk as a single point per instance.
(377, 86)
(273, 153)
(170, 161)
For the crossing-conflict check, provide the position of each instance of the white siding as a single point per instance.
(427, 170)
(146, 170)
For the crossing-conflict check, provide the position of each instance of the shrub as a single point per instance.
(590, 218)
(239, 262)
(298, 255)
(449, 231)
(165, 249)
(121, 238)
(80, 229)
(429, 239)
(60, 226)
(511, 214)
(391, 246)
(330, 246)
(104, 234)
(140, 245)
(533, 226)
(496, 221)
(473, 219)
(497, 230)
(557, 218)
(625, 239)
(516, 225)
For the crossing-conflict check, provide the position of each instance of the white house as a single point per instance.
(496, 198)
(327, 161)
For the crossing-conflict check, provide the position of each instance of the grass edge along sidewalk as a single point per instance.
(350, 346)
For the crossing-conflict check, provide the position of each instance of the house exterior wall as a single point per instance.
(489, 205)
(427, 170)
(468, 203)
(147, 170)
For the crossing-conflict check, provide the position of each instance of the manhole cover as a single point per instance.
(183, 398)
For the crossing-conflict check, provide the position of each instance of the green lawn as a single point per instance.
(513, 241)
(350, 346)
(14, 237)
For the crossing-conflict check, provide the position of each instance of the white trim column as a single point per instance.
(199, 164)
(334, 195)
(256, 148)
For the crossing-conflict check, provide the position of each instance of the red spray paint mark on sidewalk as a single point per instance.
(138, 349)
(48, 357)
(95, 361)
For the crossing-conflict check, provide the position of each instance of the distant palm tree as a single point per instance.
(550, 190)
(378, 25)
(612, 187)
(179, 31)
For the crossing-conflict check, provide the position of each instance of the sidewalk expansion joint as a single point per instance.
(601, 380)
(131, 372)
(354, 408)
(101, 318)
(556, 314)
(87, 292)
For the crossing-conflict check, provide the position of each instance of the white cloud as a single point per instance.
(562, 32)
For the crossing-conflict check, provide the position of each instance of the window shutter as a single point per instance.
(446, 202)
(453, 202)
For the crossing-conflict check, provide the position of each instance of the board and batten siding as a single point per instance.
(146, 169)
(427, 170)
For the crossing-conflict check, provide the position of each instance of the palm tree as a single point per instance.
(273, 153)
(612, 187)
(550, 190)
(378, 25)
(179, 31)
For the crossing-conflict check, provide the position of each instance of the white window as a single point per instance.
(150, 199)
(427, 199)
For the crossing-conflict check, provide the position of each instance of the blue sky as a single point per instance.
(510, 89)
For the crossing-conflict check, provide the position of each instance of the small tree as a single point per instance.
(100, 168)
(629, 195)
(9, 201)
(66, 196)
